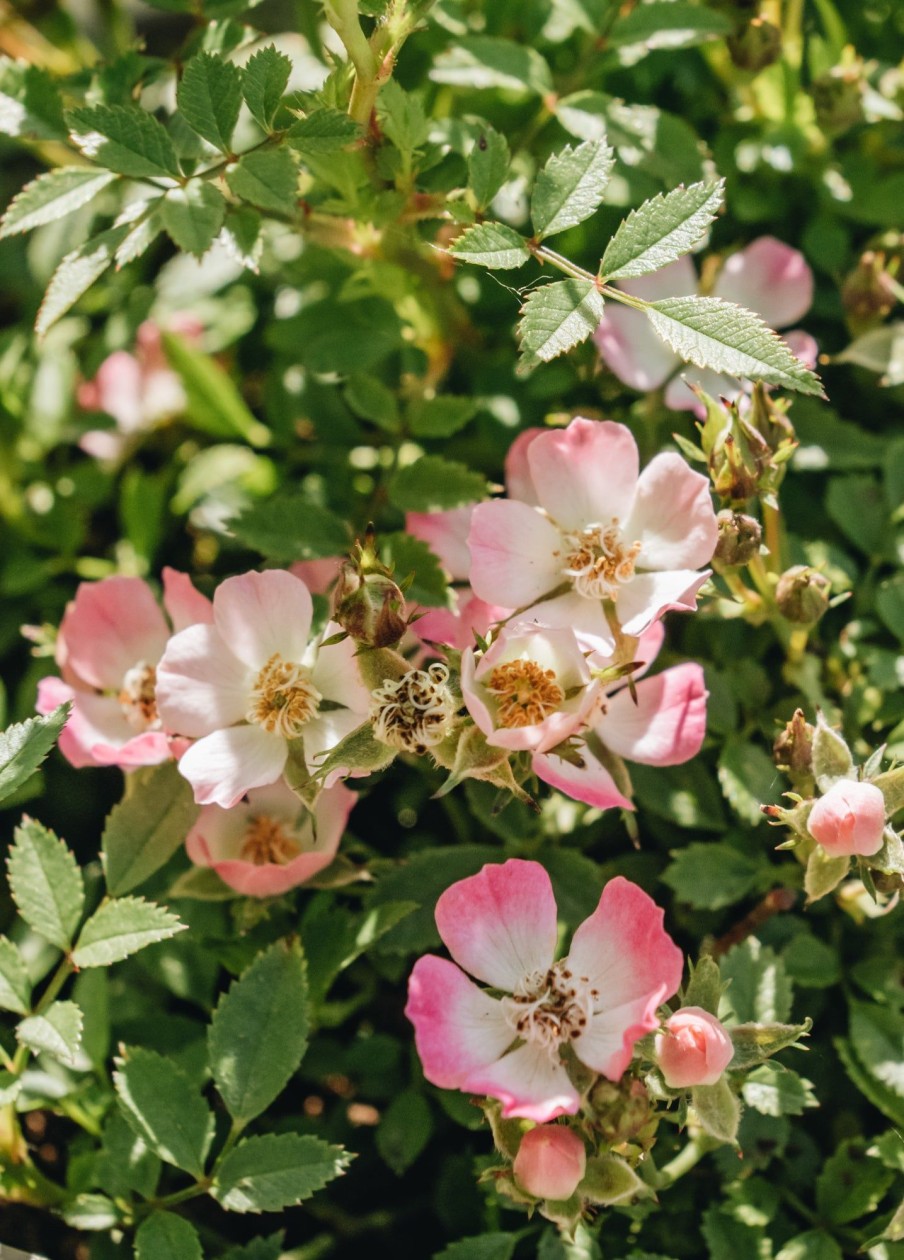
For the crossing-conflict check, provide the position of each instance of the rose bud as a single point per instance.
(693, 1048)
(756, 45)
(802, 595)
(550, 1163)
(849, 819)
(739, 538)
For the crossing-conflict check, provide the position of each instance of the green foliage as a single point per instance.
(433, 484)
(146, 828)
(46, 883)
(492, 245)
(556, 318)
(267, 178)
(163, 1234)
(291, 528)
(52, 196)
(120, 928)
(209, 98)
(125, 139)
(58, 1032)
(193, 216)
(661, 230)
(570, 187)
(25, 745)
(264, 83)
(164, 1108)
(266, 1174)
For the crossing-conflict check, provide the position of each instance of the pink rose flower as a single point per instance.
(500, 925)
(110, 642)
(612, 537)
(251, 682)
(693, 1049)
(551, 1162)
(849, 819)
(270, 843)
(767, 277)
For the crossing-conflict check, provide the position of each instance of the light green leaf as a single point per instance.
(46, 883)
(813, 1245)
(241, 236)
(402, 118)
(484, 61)
(214, 402)
(851, 1184)
(289, 527)
(124, 138)
(142, 230)
(711, 333)
(661, 230)
(264, 81)
(164, 1108)
(717, 1109)
(441, 416)
(654, 142)
(556, 318)
(267, 178)
(492, 245)
(209, 97)
(609, 1179)
(259, 1031)
(15, 987)
(120, 928)
(93, 1212)
(776, 1091)
(879, 350)
(193, 215)
(52, 196)
(323, 131)
(25, 745)
(824, 873)
(76, 274)
(57, 1032)
(570, 187)
(832, 760)
(146, 828)
(404, 1130)
(432, 484)
(488, 165)
(165, 1236)
(267, 1174)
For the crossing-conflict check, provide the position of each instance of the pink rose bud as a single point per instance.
(694, 1048)
(849, 819)
(550, 1163)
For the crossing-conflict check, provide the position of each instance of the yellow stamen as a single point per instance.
(525, 693)
(266, 841)
(284, 698)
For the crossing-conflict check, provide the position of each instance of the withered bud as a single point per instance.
(838, 98)
(867, 291)
(621, 1109)
(756, 45)
(803, 594)
(368, 603)
(792, 751)
(739, 538)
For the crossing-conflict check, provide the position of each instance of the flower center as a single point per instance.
(137, 697)
(284, 698)
(548, 1008)
(525, 693)
(268, 840)
(414, 713)
(599, 559)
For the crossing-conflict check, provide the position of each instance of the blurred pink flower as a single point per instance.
(767, 277)
(849, 819)
(693, 1048)
(251, 682)
(270, 843)
(551, 1162)
(110, 642)
(317, 575)
(500, 925)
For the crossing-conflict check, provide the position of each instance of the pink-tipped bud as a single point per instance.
(693, 1049)
(849, 819)
(551, 1162)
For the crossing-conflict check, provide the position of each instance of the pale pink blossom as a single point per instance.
(270, 842)
(849, 819)
(693, 1048)
(500, 925)
(767, 277)
(109, 645)
(602, 539)
(446, 534)
(317, 575)
(253, 681)
(551, 1162)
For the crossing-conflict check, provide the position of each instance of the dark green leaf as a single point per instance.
(710, 876)
(264, 81)
(404, 1130)
(749, 779)
(193, 215)
(24, 746)
(267, 1174)
(164, 1108)
(370, 399)
(165, 1236)
(124, 1162)
(813, 1245)
(760, 990)
(288, 527)
(267, 178)
(46, 883)
(774, 1090)
(851, 1184)
(209, 97)
(146, 828)
(440, 417)
(323, 131)
(488, 165)
(408, 555)
(30, 102)
(124, 138)
(493, 1246)
(432, 484)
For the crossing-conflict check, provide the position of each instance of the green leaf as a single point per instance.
(493, 1246)
(241, 236)
(610, 1180)
(267, 1174)
(851, 1184)
(126, 139)
(432, 484)
(93, 1212)
(704, 985)
(52, 196)
(164, 1236)
(46, 883)
(813, 1245)
(661, 230)
(404, 1131)
(823, 873)
(76, 274)
(30, 102)
(125, 1162)
(57, 1032)
(710, 876)
(193, 215)
(323, 131)
(123, 927)
(410, 556)
(492, 245)
(665, 24)
(25, 745)
(334, 938)
(570, 187)
(258, 1249)
(214, 402)
(760, 990)
(685, 795)
(486, 62)
(488, 165)
(660, 145)
(141, 232)
(877, 1034)
(711, 333)
(754, 1043)
(776, 1091)
(421, 879)
(402, 118)
(267, 178)
(259, 1031)
(288, 527)
(164, 1108)
(749, 779)
(15, 987)
(264, 82)
(370, 399)
(556, 318)
(885, 1099)
(440, 417)
(146, 828)
(717, 1109)
(209, 97)
(879, 350)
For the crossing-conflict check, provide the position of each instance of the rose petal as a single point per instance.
(672, 516)
(664, 723)
(591, 783)
(585, 474)
(260, 615)
(111, 626)
(648, 595)
(458, 1028)
(183, 602)
(527, 1083)
(223, 766)
(201, 685)
(770, 278)
(446, 534)
(516, 553)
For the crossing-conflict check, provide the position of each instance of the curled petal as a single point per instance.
(183, 602)
(590, 782)
(648, 595)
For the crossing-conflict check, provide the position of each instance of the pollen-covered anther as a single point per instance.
(525, 693)
(268, 841)
(550, 1008)
(599, 560)
(414, 712)
(137, 697)
(284, 698)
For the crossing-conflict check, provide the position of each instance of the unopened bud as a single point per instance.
(693, 1048)
(838, 99)
(867, 292)
(369, 605)
(849, 819)
(550, 1163)
(621, 1109)
(802, 595)
(739, 538)
(792, 751)
(756, 45)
